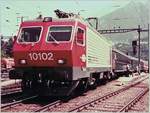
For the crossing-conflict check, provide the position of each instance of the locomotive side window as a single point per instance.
(59, 33)
(80, 36)
(30, 34)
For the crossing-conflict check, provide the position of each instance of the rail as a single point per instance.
(49, 106)
(12, 91)
(133, 101)
(108, 95)
(16, 102)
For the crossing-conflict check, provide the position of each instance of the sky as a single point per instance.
(12, 10)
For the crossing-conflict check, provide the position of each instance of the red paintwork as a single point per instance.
(69, 50)
(78, 51)
(7, 62)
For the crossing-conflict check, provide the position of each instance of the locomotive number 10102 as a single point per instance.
(41, 56)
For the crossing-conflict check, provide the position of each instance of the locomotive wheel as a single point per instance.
(92, 83)
(101, 79)
(104, 80)
(24, 86)
(109, 76)
(34, 85)
(82, 87)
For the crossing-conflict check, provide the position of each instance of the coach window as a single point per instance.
(80, 37)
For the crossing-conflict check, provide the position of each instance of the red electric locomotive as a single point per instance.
(54, 56)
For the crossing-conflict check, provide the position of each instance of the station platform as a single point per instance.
(119, 81)
(9, 82)
(124, 80)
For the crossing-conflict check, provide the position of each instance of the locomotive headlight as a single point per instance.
(23, 61)
(61, 61)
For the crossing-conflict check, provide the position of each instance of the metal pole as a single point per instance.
(22, 19)
(139, 49)
(148, 49)
(96, 23)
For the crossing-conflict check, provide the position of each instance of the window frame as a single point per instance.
(29, 27)
(60, 26)
(83, 37)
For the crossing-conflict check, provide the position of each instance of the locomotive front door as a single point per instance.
(80, 45)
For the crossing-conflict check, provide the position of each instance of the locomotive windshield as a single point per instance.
(59, 33)
(30, 34)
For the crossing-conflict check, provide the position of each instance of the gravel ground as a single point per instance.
(30, 105)
(90, 95)
(114, 103)
(93, 94)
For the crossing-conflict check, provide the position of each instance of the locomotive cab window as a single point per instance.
(59, 33)
(80, 37)
(30, 34)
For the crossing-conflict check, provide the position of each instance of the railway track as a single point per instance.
(11, 91)
(49, 106)
(133, 101)
(141, 105)
(115, 107)
(58, 105)
(36, 107)
(9, 98)
(7, 90)
(14, 104)
(30, 104)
